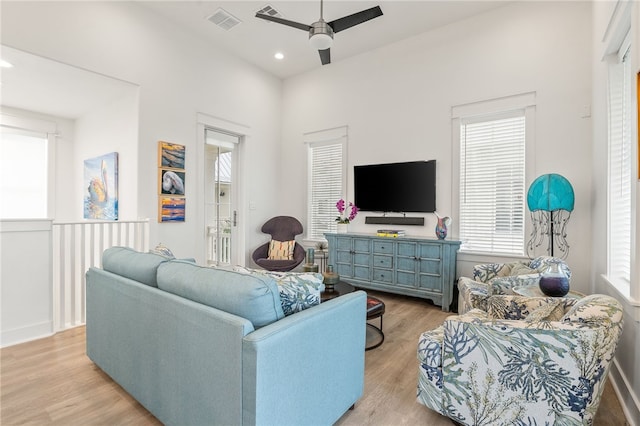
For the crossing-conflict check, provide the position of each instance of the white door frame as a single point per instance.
(238, 203)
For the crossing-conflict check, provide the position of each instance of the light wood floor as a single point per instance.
(51, 381)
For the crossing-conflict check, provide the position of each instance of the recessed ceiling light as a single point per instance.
(5, 64)
(279, 56)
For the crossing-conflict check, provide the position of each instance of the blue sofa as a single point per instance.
(203, 346)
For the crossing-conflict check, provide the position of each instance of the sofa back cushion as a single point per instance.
(132, 264)
(253, 297)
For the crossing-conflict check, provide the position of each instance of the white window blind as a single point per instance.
(492, 174)
(26, 167)
(620, 168)
(326, 186)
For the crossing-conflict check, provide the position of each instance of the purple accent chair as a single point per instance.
(281, 228)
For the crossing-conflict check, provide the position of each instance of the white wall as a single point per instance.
(26, 291)
(625, 372)
(109, 128)
(397, 103)
(179, 76)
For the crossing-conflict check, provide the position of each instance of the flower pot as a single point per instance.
(342, 228)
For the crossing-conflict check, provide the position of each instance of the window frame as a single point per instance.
(334, 136)
(617, 64)
(488, 109)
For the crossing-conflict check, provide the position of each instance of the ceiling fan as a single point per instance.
(321, 32)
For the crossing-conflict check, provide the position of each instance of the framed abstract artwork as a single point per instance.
(171, 155)
(171, 182)
(171, 209)
(101, 187)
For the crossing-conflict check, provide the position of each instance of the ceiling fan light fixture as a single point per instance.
(321, 41)
(320, 35)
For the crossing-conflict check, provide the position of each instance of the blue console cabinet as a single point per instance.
(413, 266)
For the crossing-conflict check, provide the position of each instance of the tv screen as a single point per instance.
(396, 187)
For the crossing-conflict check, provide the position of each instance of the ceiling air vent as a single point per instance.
(269, 10)
(224, 19)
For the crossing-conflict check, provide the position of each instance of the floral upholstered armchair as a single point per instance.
(527, 361)
(500, 278)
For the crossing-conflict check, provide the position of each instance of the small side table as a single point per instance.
(338, 290)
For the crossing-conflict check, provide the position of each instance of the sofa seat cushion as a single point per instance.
(132, 264)
(253, 297)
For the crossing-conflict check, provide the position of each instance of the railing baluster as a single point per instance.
(78, 246)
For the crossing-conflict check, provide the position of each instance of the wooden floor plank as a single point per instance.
(52, 381)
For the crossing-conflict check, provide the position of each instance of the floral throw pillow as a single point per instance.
(281, 250)
(298, 290)
(162, 251)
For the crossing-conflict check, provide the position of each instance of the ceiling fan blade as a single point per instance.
(303, 27)
(325, 56)
(342, 24)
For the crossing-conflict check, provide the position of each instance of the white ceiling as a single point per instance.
(46, 86)
(257, 40)
(49, 87)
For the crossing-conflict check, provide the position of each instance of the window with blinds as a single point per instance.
(326, 186)
(492, 176)
(620, 165)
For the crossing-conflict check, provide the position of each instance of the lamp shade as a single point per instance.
(550, 192)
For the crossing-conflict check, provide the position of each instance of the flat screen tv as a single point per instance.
(408, 187)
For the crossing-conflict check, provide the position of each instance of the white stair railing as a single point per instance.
(218, 247)
(76, 247)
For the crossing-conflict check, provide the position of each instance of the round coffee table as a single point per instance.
(375, 336)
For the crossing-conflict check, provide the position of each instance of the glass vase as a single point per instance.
(553, 282)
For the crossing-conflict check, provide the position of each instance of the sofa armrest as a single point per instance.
(508, 371)
(471, 295)
(307, 368)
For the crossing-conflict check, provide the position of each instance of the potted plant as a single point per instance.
(346, 213)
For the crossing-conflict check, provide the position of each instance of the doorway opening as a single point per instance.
(221, 217)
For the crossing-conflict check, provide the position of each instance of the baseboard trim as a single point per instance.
(26, 334)
(628, 400)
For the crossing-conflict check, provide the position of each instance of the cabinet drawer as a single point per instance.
(360, 259)
(382, 261)
(361, 272)
(361, 245)
(431, 251)
(431, 283)
(384, 247)
(405, 279)
(431, 266)
(382, 275)
(406, 263)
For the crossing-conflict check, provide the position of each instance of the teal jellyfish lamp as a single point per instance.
(550, 200)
